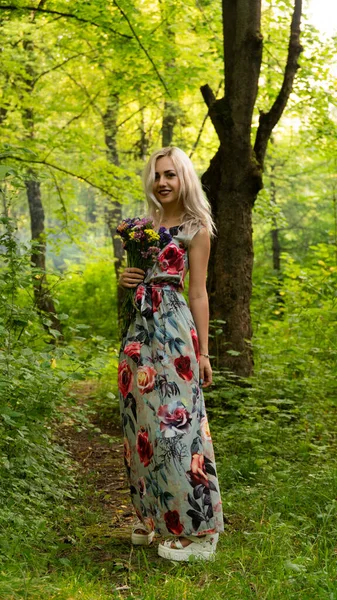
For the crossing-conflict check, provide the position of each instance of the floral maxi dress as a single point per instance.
(162, 406)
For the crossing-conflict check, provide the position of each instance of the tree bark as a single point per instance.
(229, 282)
(276, 248)
(113, 209)
(170, 107)
(144, 139)
(234, 176)
(43, 298)
(169, 121)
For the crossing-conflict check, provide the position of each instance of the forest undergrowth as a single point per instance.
(278, 477)
(65, 513)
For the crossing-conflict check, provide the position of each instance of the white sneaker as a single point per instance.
(202, 548)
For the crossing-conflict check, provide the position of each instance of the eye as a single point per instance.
(171, 175)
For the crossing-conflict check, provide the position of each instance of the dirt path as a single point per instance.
(96, 533)
(100, 462)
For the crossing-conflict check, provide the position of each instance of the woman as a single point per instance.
(164, 364)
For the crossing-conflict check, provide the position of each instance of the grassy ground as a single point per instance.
(279, 487)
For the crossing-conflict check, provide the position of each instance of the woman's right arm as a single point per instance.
(131, 277)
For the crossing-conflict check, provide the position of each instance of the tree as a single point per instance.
(113, 208)
(235, 174)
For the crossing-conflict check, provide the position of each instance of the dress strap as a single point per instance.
(188, 237)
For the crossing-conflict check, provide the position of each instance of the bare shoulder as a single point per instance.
(200, 240)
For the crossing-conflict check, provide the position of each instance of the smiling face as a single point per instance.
(166, 184)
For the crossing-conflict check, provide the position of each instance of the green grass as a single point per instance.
(281, 542)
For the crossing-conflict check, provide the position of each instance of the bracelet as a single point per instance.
(202, 354)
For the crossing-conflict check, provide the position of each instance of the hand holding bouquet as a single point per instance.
(143, 244)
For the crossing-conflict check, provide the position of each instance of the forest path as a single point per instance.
(100, 461)
(100, 520)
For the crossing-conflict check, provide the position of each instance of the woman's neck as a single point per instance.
(169, 220)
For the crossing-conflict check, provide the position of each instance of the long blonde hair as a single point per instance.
(197, 210)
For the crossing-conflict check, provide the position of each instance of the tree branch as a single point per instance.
(66, 125)
(217, 109)
(268, 120)
(64, 209)
(36, 9)
(84, 89)
(208, 97)
(56, 66)
(66, 172)
(143, 47)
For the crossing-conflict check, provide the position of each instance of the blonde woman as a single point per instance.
(164, 366)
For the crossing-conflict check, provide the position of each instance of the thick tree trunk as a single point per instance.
(43, 299)
(234, 176)
(229, 281)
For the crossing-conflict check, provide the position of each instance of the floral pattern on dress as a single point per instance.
(162, 406)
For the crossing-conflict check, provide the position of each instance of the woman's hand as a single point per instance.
(131, 277)
(205, 371)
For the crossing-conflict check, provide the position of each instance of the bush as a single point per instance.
(34, 473)
(89, 297)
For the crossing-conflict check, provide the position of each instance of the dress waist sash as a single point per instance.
(148, 296)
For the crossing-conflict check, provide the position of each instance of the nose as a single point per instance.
(162, 180)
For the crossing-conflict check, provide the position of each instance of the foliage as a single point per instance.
(34, 470)
(87, 294)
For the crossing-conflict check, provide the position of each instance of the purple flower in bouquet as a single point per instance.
(165, 236)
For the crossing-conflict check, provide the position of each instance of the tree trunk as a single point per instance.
(113, 209)
(170, 107)
(229, 282)
(43, 299)
(234, 176)
(169, 121)
(276, 248)
(144, 139)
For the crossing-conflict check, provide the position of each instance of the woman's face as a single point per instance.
(166, 184)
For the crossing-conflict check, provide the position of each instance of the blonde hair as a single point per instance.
(196, 208)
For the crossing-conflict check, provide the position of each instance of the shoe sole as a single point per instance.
(141, 539)
(184, 555)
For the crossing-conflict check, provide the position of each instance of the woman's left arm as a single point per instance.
(199, 251)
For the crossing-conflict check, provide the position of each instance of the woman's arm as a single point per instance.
(198, 299)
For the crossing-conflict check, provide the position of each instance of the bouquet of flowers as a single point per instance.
(143, 244)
